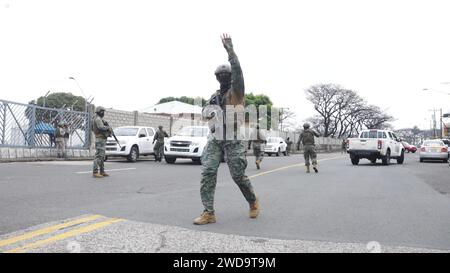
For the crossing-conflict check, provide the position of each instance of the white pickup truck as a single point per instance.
(376, 144)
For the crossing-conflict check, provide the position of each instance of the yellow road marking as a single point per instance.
(46, 230)
(66, 235)
(291, 166)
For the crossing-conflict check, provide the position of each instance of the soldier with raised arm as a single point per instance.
(224, 138)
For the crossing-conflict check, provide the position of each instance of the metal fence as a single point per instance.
(27, 125)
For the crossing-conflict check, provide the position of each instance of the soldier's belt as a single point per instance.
(100, 136)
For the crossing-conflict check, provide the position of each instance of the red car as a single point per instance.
(409, 148)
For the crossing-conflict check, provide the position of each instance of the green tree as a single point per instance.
(184, 99)
(62, 99)
(258, 100)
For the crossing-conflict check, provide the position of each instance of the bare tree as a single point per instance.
(342, 112)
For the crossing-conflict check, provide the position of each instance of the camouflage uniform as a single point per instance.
(289, 147)
(60, 140)
(102, 131)
(258, 139)
(159, 146)
(307, 139)
(225, 141)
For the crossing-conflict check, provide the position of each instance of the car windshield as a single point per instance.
(433, 143)
(273, 140)
(371, 134)
(125, 131)
(193, 132)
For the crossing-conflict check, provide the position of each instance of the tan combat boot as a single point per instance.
(205, 218)
(258, 164)
(254, 208)
(104, 174)
(307, 169)
(97, 175)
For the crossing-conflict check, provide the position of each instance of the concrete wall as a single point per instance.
(117, 118)
(30, 154)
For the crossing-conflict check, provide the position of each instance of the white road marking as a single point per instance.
(292, 166)
(110, 170)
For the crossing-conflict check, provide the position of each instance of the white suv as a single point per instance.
(134, 141)
(189, 142)
(275, 145)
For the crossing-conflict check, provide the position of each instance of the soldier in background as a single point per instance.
(60, 140)
(258, 139)
(289, 146)
(344, 146)
(159, 146)
(102, 131)
(66, 136)
(307, 139)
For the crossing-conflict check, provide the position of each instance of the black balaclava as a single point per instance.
(101, 114)
(225, 81)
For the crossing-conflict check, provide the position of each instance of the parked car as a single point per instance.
(434, 149)
(447, 142)
(189, 142)
(135, 141)
(408, 147)
(275, 145)
(376, 144)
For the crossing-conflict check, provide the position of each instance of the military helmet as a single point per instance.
(223, 68)
(99, 109)
(61, 123)
(306, 125)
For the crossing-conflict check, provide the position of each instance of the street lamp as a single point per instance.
(434, 110)
(82, 92)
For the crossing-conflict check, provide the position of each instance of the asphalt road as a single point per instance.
(149, 207)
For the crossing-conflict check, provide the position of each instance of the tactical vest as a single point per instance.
(308, 137)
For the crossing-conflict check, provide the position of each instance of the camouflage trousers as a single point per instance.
(159, 149)
(61, 147)
(237, 163)
(310, 152)
(99, 160)
(258, 152)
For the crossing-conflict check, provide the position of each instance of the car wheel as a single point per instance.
(445, 160)
(106, 159)
(197, 160)
(401, 159)
(373, 161)
(279, 152)
(387, 159)
(421, 160)
(355, 160)
(170, 160)
(134, 154)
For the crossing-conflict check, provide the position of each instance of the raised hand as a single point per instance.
(226, 41)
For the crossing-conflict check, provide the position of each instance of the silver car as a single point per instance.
(434, 149)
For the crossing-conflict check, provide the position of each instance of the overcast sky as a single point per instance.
(129, 54)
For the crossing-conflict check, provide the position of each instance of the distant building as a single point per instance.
(175, 108)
